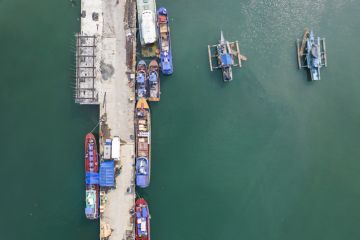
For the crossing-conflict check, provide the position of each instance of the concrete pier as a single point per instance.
(109, 83)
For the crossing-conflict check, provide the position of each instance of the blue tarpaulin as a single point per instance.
(92, 178)
(107, 174)
(226, 59)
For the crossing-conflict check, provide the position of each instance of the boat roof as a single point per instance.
(92, 178)
(107, 174)
(226, 59)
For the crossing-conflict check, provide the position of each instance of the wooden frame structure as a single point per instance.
(85, 91)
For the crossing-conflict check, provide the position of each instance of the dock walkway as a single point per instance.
(114, 64)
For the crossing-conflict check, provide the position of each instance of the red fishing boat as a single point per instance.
(91, 177)
(142, 218)
(91, 154)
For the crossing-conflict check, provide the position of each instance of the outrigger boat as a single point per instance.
(141, 80)
(142, 218)
(311, 53)
(166, 64)
(226, 54)
(154, 81)
(92, 177)
(143, 143)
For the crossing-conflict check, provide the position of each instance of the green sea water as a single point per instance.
(270, 155)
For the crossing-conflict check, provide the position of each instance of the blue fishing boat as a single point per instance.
(141, 80)
(142, 172)
(166, 64)
(313, 52)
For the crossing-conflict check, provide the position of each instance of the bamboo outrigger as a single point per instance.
(224, 55)
(311, 53)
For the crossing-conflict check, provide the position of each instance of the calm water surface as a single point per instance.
(268, 156)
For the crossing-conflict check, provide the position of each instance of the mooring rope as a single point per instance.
(95, 126)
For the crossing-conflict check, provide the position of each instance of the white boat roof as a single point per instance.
(148, 27)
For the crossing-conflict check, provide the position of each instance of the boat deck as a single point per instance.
(150, 50)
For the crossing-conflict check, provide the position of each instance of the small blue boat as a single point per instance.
(312, 54)
(166, 64)
(142, 172)
(141, 80)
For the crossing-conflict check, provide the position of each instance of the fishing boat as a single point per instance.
(143, 143)
(224, 56)
(92, 202)
(154, 81)
(166, 64)
(141, 80)
(92, 177)
(146, 10)
(312, 52)
(142, 218)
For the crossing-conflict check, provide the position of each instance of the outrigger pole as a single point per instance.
(210, 63)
